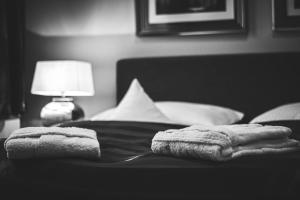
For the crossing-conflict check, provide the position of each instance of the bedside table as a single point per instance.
(34, 122)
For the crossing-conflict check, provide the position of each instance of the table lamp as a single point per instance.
(63, 79)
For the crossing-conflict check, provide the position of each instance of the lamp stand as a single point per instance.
(61, 109)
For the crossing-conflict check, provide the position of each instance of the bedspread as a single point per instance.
(129, 170)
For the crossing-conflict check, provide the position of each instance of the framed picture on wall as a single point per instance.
(286, 15)
(190, 17)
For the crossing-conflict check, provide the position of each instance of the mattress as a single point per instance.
(129, 170)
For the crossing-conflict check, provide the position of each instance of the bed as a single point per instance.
(252, 83)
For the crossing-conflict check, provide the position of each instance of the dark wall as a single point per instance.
(103, 31)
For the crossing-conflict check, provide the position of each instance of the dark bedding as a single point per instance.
(147, 176)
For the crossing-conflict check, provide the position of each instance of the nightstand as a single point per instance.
(34, 122)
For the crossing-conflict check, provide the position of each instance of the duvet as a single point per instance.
(129, 170)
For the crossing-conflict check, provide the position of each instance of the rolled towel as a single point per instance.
(222, 143)
(35, 142)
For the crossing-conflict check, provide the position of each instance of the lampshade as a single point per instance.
(63, 78)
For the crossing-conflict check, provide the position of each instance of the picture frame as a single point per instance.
(190, 17)
(286, 15)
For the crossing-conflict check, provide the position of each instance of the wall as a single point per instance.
(103, 31)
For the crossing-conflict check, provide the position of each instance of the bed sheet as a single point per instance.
(148, 176)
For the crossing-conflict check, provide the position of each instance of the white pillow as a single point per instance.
(195, 113)
(189, 113)
(136, 105)
(285, 112)
(104, 115)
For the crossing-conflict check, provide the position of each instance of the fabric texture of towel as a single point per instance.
(36, 142)
(225, 142)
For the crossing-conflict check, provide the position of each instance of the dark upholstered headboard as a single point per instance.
(251, 83)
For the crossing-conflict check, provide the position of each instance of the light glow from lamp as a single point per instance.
(63, 78)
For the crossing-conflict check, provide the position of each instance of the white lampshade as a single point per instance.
(63, 78)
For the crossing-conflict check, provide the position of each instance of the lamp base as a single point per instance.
(61, 110)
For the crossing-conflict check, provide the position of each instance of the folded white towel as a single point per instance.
(34, 142)
(223, 142)
(241, 134)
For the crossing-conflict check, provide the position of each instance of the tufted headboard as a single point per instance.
(251, 83)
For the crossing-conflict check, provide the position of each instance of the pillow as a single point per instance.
(105, 115)
(195, 113)
(136, 105)
(285, 112)
(189, 113)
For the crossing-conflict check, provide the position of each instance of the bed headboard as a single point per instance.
(251, 83)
